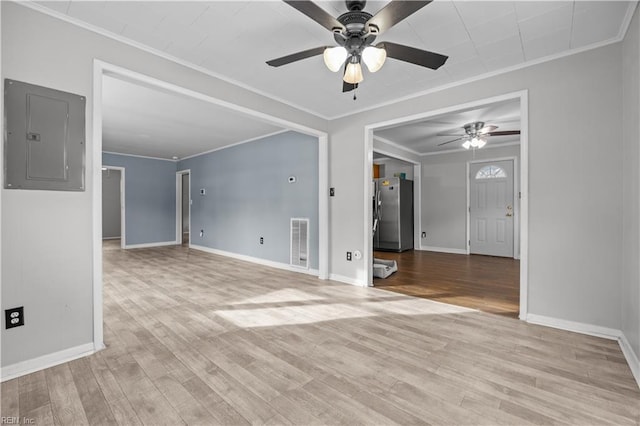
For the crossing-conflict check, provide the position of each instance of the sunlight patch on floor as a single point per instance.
(281, 296)
(416, 307)
(308, 314)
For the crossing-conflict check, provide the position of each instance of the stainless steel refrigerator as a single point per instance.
(393, 209)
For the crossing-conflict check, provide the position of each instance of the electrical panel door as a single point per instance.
(44, 139)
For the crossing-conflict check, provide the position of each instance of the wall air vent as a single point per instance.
(300, 242)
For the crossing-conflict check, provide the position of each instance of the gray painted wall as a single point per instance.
(444, 195)
(575, 230)
(111, 214)
(150, 198)
(575, 237)
(631, 186)
(47, 235)
(248, 196)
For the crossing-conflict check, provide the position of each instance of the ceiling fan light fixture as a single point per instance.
(374, 58)
(334, 57)
(353, 73)
(474, 142)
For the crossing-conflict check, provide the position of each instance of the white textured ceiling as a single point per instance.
(146, 121)
(235, 38)
(424, 136)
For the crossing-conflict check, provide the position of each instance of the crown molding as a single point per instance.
(279, 132)
(621, 34)
(140, 156)
(623, 30)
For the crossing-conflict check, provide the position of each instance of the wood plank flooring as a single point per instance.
(489, 284)
(194, 338)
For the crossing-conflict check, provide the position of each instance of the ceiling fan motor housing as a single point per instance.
(355, 36)
(472, 129)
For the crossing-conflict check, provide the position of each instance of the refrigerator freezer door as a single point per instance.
(389, 229)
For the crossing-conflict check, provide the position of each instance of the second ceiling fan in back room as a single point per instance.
(354, 32)
(476, 133)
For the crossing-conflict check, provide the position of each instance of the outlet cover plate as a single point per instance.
(14, 317)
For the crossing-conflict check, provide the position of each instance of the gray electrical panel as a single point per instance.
(44, 141)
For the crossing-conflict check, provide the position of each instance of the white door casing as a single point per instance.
(491, 208)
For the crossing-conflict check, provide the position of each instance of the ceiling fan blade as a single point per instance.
(347, 87)
(412, 55)
(503, 133)
(296, 56)
(394, 12)
(487, 129)
(450, 133)
(316, 13)
(444, 143)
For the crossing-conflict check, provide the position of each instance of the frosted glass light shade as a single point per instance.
(374, 58)
(334, 57)
(353, 75)
(474, 142)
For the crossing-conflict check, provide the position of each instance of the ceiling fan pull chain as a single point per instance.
(354, 92)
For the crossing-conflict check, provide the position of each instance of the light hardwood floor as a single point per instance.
(487, 283)
(201, 339)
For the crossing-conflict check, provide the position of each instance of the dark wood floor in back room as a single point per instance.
(487, 283)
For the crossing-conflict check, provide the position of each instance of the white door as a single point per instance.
(491, 208)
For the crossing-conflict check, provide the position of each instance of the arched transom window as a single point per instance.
(491, 172)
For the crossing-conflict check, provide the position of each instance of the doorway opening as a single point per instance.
(100, 71)
(183, 208)
(396, 211)
(453, 260)
(113, 206)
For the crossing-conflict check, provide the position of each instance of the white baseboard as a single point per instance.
(631, 357)
(442, 249)
(256, 260)
(50, 360)
(148, 245)
(347, 280)
(577, 327)
(593, 330)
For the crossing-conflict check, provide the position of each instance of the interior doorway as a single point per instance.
(183, 207)
(442, 264)
(113, 205)
(396, 209)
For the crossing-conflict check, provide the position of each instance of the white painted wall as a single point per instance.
(574, 227)
(391, 166)
(393, 150)
(631, 189)
(444, 195)
(46, 238)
